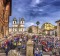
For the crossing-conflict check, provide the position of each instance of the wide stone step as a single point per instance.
(2, 51)
(2, 54)
(47, 53)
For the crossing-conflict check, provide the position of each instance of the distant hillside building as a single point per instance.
(17, 27)
(48, 28)
(33, 29)
(58, 28)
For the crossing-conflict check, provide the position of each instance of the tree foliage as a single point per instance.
(37, 23)
(30, 30)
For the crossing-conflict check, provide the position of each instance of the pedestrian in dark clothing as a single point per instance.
(36, 53)
(6, 50)
(18, 46)
(59, 51)
(11, 44)
(41, 53)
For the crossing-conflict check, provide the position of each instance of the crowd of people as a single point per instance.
(46, 44)
(17, 42)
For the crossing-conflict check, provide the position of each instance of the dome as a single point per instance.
(22, 19)
(14, 19)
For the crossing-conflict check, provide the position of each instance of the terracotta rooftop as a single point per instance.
(57, 21)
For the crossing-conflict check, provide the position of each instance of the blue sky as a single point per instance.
(35, 10)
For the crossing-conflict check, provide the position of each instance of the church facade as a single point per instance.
(17, 27)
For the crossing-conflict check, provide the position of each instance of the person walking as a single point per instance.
(19, 47)
(20, 39)
(36, 53)
(14, 44)
(41, 53)
(6, 50)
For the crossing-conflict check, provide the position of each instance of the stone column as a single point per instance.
(58, 28)
(29, 48)
(1, 31)
(1, 18)
(6, 18)
(6, 30)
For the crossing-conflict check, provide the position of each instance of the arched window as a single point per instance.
(22, 22)
(22, 29)
(14, 22)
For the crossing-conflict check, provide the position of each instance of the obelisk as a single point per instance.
(29, 48)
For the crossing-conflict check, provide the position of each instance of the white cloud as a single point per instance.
(34, 2)
(37, 1)
(29, 24)
(40, 9)
(19, 9)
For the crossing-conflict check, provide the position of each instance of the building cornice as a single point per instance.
(57, 21)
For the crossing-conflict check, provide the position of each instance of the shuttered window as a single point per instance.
(59, 24)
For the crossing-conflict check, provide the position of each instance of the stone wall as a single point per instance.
(58, 28)
(4, 17)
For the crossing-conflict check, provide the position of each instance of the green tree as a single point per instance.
(55, 33)
(37, 23)
(30, 30)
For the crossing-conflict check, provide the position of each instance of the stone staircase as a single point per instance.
(47, 54)
(2, 52)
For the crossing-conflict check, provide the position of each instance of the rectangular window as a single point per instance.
(59, 24)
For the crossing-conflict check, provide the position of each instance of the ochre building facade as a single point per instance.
(5, 12)
(58, 28)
